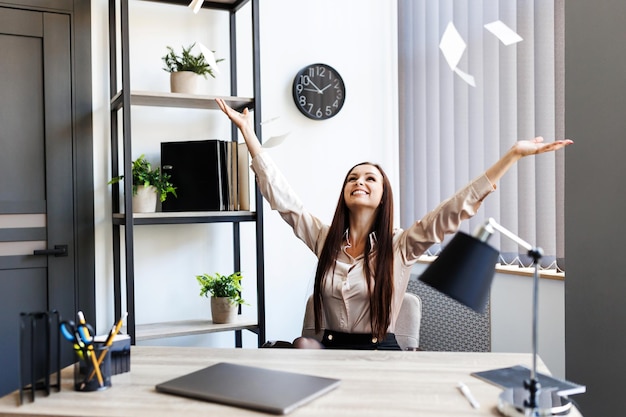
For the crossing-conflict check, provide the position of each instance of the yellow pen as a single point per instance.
(87, 336)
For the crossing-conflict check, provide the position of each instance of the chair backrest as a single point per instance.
(407, 327)
(409, 322)
(448, 325)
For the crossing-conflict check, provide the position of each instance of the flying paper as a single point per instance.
(196, 5)
(210, 57)
(506, 35)
(452, 46)
(465, 77)
(275, 140)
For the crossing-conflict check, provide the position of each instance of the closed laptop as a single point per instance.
(270, 391)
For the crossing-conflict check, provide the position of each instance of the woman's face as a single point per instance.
(364, 187)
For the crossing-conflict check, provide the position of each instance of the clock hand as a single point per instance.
(322, 90)
(316, 87)
(310, 89)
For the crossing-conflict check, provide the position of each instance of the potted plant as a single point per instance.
(225, 292)
(186, 68)
(148, 184)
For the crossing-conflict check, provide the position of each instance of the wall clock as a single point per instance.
(318, 91)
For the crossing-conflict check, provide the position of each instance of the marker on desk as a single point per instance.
(468, 394)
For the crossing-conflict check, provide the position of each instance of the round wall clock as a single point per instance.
(318, 91)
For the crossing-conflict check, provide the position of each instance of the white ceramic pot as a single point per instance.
(185, 82)
(222, 311)
(145, 200)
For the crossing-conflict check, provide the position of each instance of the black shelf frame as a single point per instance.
(121, 101)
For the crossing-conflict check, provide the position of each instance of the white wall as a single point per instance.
(360, 42)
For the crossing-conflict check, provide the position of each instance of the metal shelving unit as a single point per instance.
(122, 100)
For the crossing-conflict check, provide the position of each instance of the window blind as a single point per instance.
(450, 131)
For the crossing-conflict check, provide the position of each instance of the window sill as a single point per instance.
(512, 270)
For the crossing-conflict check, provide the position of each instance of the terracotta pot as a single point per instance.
(185, 82)
(222, 310)
(145, 200)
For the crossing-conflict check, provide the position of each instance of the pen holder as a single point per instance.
(85, 376)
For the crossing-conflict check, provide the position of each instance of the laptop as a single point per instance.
(261, 389)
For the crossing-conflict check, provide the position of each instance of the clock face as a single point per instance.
(318, 91)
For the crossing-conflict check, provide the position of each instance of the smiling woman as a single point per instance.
(364, 187)
(364, 263)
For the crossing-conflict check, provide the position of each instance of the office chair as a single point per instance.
(448, 325)
(407, 327)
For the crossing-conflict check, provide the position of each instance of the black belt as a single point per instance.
(340, 340)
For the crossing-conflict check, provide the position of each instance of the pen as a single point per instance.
(91, 351)
(468, 394)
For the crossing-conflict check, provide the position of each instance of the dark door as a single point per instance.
(36, 184)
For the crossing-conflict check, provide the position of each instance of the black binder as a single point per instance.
(199, 171)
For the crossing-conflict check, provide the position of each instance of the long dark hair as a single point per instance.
(378, 264)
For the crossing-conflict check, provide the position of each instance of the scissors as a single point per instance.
(81, 336)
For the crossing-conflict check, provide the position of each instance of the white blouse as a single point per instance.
(345, 296)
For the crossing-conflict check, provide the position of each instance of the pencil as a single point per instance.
(109, 341)
(92, 352)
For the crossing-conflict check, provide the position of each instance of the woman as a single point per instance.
(364, 264)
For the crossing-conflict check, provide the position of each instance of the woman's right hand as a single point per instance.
(244, 121)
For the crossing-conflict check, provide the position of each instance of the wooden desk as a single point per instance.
(373, 384)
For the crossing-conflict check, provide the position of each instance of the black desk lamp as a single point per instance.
(464, 271)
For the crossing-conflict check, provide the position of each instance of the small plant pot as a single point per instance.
(145, 200)
(185, 82)
(222, 310)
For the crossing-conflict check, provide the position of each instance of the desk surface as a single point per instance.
(374, 383)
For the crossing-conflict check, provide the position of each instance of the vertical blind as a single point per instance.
(450, 131)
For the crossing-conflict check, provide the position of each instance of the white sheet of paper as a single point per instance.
(270, 120)
(452, 46)
(275, 140)
(506, 35)
(466, 77)
(210, 58)
(196, 5)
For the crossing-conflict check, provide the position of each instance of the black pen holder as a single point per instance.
(89, 361)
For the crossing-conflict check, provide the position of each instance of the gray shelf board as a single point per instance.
(208, 4)
(190, 327)
(177, 217)
(187, 101)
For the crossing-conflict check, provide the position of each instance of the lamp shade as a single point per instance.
(464, 270)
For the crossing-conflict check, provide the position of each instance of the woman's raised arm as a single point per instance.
(244, 122)
(519, 150)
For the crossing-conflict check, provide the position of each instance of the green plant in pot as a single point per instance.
(185, 68)
(150, 181)
(225, 292)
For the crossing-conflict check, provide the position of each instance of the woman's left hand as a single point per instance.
(519, 150)
(536, 146)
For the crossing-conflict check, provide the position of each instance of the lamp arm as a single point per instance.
(483, 234)
(486, 230)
